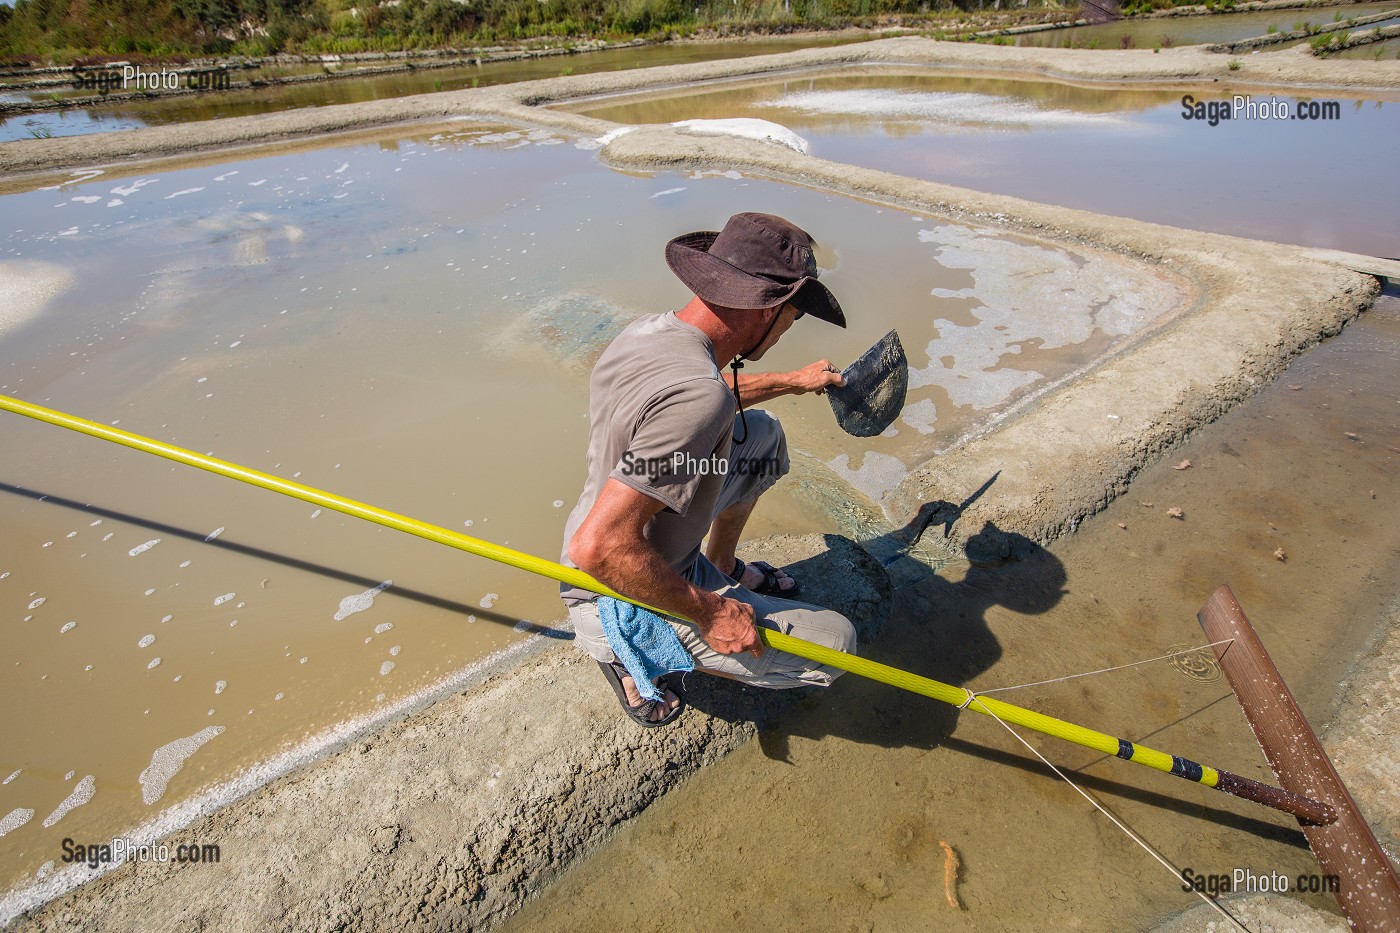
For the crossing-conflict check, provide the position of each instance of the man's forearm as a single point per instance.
(757, 388)
(638, 571)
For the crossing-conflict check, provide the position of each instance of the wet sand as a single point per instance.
(1058, 458)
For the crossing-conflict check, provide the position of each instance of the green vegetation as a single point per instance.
(72, 31)
(1235, 64)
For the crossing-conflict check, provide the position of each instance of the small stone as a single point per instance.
(1183, 465)
(1279, 553)
(1146, 505)
(1174, 512)
(1123, 526)
(1355, 437)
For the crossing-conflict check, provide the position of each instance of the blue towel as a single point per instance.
(643, 642)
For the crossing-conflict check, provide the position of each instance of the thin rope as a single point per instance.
(1109, 670)
(1176, 874)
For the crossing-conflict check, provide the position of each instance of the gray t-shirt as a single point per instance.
(660, 419)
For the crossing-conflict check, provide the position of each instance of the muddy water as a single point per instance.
(1121, 152)
(135, 114)
(359, 318)
(837, 819)
(1194, 30)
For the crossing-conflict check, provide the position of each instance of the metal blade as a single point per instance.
(873, 395)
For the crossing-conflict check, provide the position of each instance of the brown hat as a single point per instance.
(756, 261)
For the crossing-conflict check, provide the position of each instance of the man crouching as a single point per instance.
(670, 461)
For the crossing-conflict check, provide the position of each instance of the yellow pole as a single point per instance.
(893, 676)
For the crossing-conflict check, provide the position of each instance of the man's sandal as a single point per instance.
(771, 585)
(641, 713)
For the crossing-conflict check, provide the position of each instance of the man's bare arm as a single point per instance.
(757, 388)
(611, 547)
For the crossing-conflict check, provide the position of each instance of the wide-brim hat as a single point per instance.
(757, 261)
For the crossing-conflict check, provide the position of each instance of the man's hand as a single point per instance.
(731, 629)
(816, 377)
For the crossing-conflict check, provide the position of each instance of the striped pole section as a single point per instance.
(1287, 801)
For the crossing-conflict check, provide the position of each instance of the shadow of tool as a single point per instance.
(401, 592)
(900, 551)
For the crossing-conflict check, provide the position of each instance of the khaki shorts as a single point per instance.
(776, 669)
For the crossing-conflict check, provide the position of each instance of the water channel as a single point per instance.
(1120, 151)
(159, 111)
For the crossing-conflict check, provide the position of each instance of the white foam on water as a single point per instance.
(226, 175)
(81, 795)
(185, 564)
(877, 475)
(17, 772)
(342, 168)
(166, 618)
(360, 601)
(558, 503)
(939, 107)
(27, 288)
(220, 686)
(254, 184)
(746, 128)
(71, 534)
(279, 695)
(71, 231)
(15, 819)
(385, 668)
(316, 514)
(214, 534)
(67, 627)
(167, 761)
(80, 175)
(383, 627)
(220, 600)
(146, 641)
(69, 775)
(94, 524)
(115, 202)
(49, 886)
(394, 651)
(86, 199)
(489, 600)
(127, 191)
(155, 663)
(108, 536)
(38, 602)
(1023, 292)
(143, 548)
(662, 194)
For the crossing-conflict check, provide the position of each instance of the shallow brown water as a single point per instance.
(836, 819)
(1125, 152)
